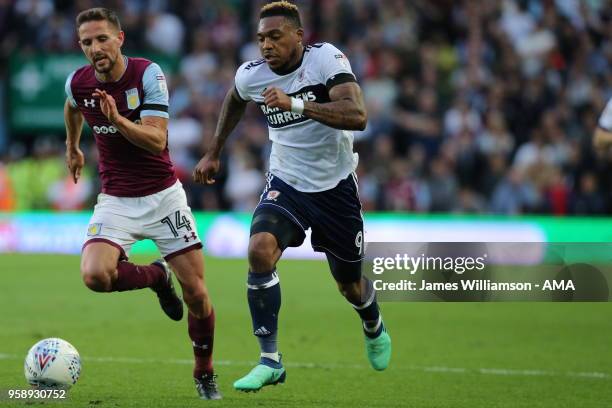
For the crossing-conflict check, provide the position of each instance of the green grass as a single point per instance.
(443, 352)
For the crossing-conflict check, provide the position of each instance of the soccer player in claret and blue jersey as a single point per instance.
(125, 102)
(311, 101)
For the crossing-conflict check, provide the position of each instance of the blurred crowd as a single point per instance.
(475, 106)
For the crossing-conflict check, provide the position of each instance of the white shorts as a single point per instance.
(163, 217)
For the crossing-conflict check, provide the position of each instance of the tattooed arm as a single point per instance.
(345, 111)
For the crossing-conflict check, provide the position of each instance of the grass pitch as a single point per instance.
(445, 354)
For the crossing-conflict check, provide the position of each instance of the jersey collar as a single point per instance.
(292, 69)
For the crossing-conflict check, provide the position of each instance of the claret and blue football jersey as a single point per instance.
(126, 170)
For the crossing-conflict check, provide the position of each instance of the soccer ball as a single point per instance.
(52, 364)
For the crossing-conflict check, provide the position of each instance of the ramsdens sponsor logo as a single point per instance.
(278, 118)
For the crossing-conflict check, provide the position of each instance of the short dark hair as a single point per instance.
(98, 14)
(282, 8)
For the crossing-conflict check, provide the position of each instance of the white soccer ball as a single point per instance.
(52, 364)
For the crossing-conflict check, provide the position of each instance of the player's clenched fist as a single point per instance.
(107, 105)
(275, 98)
(206, 169)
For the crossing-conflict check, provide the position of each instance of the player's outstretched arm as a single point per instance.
(346, 110)
(151, 134)
(75, 160)
(231, 112)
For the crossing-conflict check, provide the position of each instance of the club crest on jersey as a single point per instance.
(272, 195)
(133, 100)
(94, 229)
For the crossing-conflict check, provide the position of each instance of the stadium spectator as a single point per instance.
(484, 84)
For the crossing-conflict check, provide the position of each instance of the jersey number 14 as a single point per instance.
(180, 222)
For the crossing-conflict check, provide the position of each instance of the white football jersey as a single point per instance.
(306, 154)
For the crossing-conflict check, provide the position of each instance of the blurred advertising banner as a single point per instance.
(226, 235)
(36, 88)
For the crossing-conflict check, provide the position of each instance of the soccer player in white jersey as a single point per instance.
(311, 101)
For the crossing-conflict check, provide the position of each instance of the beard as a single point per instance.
(107, 66)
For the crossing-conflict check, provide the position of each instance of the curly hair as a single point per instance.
(282, 8)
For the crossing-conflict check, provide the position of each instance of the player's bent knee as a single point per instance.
(351, 291)
(97, 279)
(99, 267)
(195, 297)
(262, 252)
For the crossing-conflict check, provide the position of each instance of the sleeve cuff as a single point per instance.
(157, 113)
(340, 78)
(154, 109)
